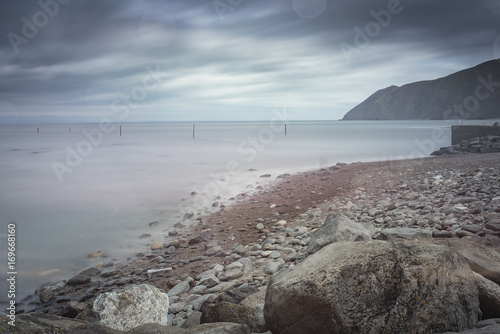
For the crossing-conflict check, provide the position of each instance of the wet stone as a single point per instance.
(78, 280)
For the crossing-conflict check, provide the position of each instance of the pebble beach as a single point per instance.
(235, 250)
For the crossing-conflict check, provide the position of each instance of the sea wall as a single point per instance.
(466, 132)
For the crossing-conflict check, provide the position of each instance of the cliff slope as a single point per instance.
(473, 93)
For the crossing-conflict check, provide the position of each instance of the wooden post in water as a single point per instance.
(120, 130)
(37, 130)
(69, 129)
(193, 129)
(285, 129)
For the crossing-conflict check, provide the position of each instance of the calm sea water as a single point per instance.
(75, 188)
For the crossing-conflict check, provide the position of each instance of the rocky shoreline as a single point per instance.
(486, 144)
(216, 268)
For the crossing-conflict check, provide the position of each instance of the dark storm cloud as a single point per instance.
(228, 59)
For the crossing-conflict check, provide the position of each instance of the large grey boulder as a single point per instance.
(372, 287)
(483, 254)
(133, 306)
(337, 227)
(489, 297)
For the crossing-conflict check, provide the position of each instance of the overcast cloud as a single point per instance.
(167, 60)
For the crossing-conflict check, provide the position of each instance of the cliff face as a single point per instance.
(473, 93)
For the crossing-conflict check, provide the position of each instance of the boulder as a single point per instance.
(404, 233)
(133, 306)
(337, 227)
(482, 254)
(489, 297)
(250, 311)
(372, 287)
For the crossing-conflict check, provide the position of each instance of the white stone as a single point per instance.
(153, 271)
(265, 253)
(131, 307)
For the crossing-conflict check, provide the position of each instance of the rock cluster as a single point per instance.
(474, 145)
(268, 273)
(443, 204)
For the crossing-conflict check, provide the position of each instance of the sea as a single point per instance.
(72, 189)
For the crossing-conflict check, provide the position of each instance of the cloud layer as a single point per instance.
(82, 61)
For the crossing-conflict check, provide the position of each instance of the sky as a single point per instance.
(65, 61)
